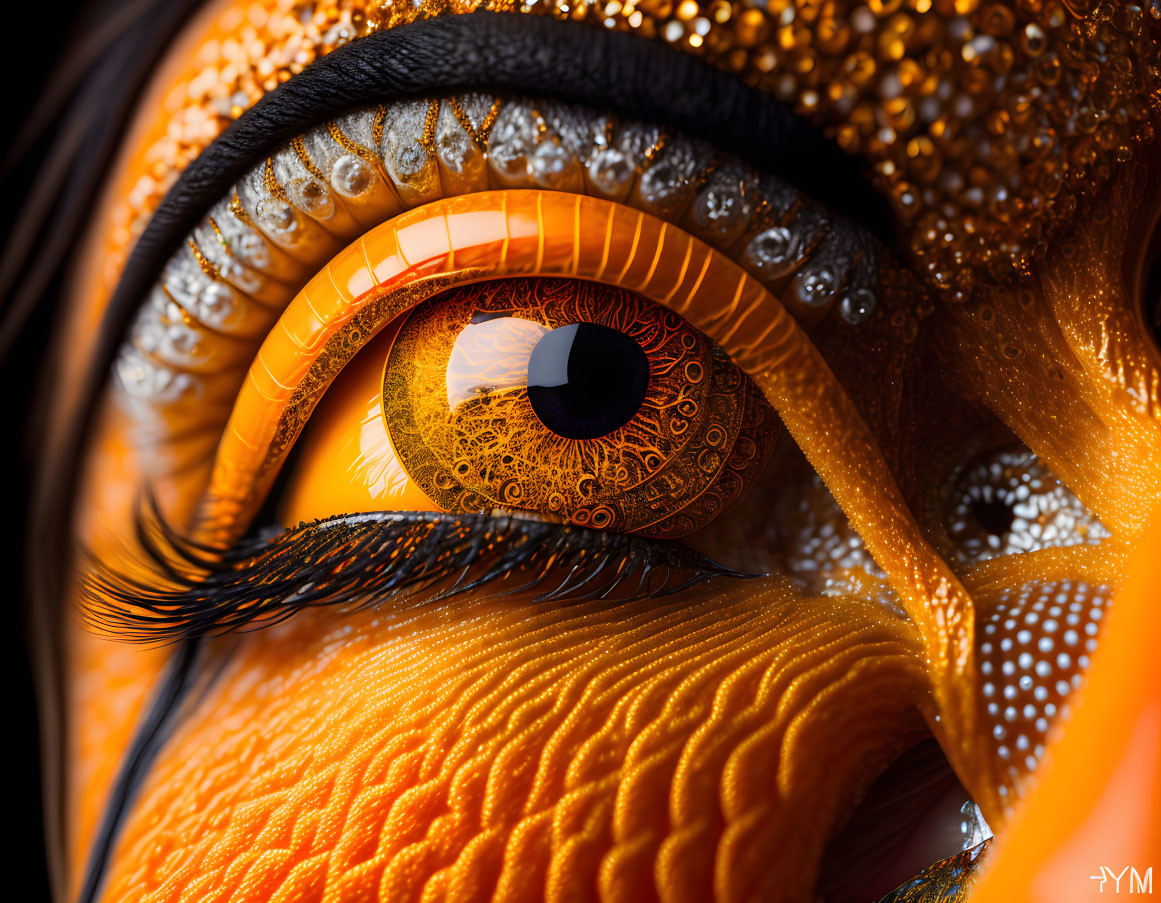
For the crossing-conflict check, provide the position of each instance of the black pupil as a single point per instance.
(586, 380)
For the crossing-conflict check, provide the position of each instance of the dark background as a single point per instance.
(24, 75)
(71, 74)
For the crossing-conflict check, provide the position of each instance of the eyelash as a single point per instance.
(181, 590)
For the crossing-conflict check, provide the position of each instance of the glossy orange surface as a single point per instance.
(1098, 805)
(347, 461)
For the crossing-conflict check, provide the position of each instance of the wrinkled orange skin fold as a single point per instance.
(491, 749)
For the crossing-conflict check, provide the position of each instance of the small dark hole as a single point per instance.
(994, 516)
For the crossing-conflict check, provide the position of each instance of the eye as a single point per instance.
(574, 400)
(518, 307)
(1006, 501)
(655, 242)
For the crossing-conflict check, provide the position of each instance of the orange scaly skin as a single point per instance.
(488, 747)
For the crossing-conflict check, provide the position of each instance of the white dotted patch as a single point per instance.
(1033, 650)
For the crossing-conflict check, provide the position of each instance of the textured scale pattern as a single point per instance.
(493, 750)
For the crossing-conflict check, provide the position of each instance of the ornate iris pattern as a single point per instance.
(469, 430)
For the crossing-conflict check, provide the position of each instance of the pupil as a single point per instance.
(586, 380)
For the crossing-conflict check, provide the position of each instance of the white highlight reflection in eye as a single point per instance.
(490, 355)
(374, 462)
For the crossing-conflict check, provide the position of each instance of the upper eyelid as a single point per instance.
(257, 244)
(510, 53)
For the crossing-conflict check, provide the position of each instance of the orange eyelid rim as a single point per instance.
(528, 232)
(1097, 802)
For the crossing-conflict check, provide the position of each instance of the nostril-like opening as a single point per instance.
(994, 515)
(914, 815)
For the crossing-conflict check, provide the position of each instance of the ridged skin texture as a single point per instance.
(500, 749)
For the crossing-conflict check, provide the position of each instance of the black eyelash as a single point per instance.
(182, 590)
